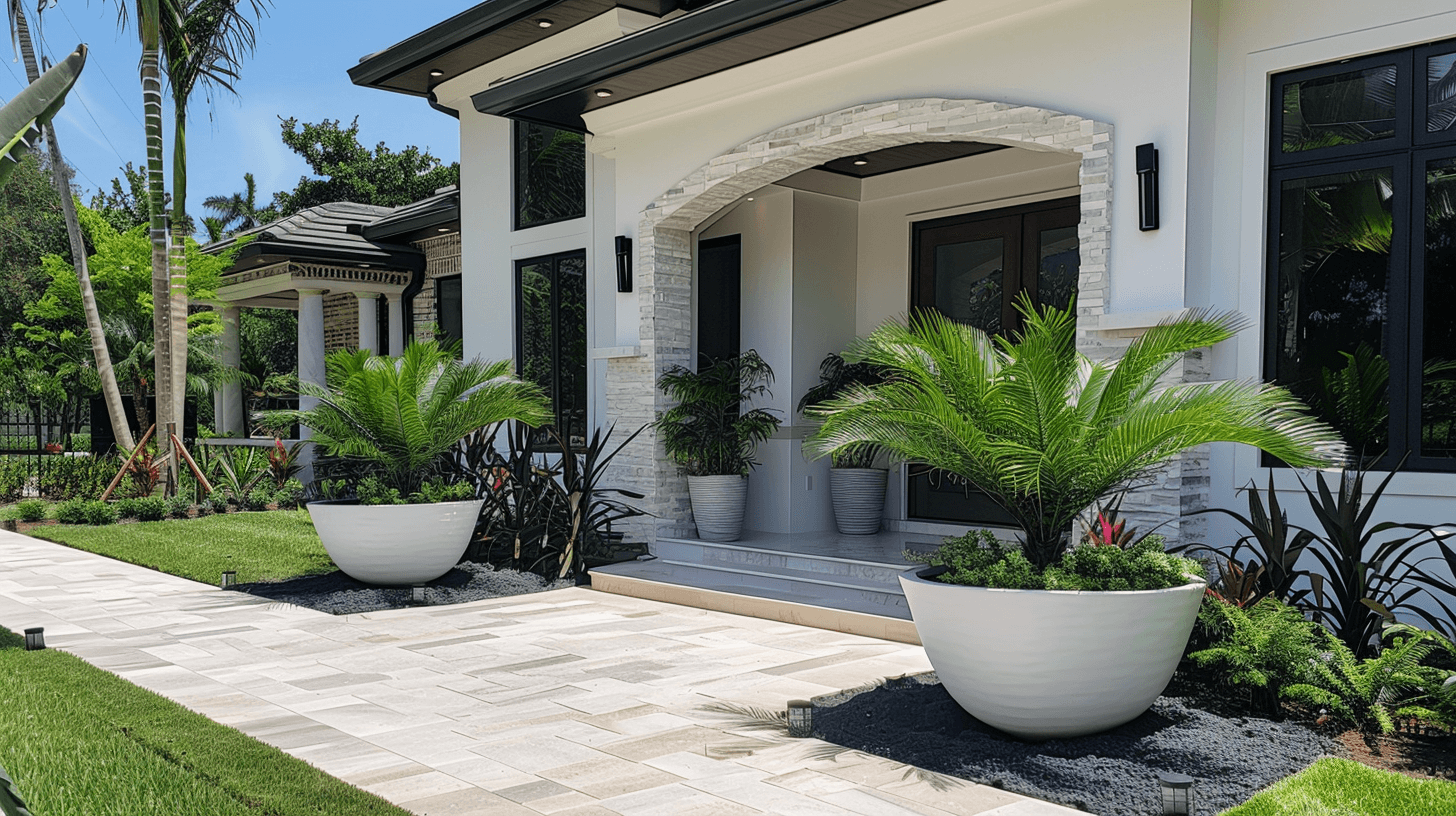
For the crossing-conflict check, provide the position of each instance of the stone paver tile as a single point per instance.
(608, 776)
(960, 797)
(367, 719)
(676, 800)
(1031, 807)
(587, 810)
(534, 755)
(417, 786)
(540, 789)
(810, 782)
(654, 723)
(467, 802)
(694, 739)
(487, 773)
(692, 766)
(551, 805)
(878, 803)
(749, 789)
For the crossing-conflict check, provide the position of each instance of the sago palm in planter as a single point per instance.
(856, 486)
(399, 419)
(712, 433)
(1046, 433)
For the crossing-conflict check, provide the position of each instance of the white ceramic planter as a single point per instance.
(718, 505)
(395, 544)
(1043, 664)
(858, 496)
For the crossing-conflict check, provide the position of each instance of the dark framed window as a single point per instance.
(551, 347)
(549, 175)
(449, 312)
(1361, 268)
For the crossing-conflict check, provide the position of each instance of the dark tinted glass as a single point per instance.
(550, 175)
(571, 405)
(1441, 93)
(1438, 358)
(1332, 298)
(449, 312)
(1341, 109)
(537, 327)
(1058, 261)
(970, 282)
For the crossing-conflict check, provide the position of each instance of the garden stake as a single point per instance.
(196, 471)
(134, 451)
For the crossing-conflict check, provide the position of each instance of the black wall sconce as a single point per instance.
(624, 263)
(1147, 173)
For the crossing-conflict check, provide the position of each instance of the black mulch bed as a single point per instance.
(1113, 773)
(338, 594)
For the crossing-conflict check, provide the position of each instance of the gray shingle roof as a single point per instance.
(327, 232)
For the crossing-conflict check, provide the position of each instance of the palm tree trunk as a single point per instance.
(109, 389)
(178, 263)
(148, 21)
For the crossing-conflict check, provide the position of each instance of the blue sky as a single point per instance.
(305, 48)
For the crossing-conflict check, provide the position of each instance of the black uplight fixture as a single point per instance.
(1147, 173)
(1177, 793)
(801, 719)
(624, 263)
(35, 639)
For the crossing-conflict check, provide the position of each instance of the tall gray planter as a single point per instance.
(858, 495)
(718, 505)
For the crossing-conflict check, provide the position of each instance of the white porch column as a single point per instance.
(228, 398)
(368, 320)
(310, 364)
(396, 324)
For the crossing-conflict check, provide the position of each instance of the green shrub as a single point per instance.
(439, 490)
(76, 477)
(81, 442)
(31, 510)
(978, 558)
(372, 490)
(99, 513)
(150, 508)
(14, 474)
(71, 511)
(126, 507)
(257, 499)
(1369, 694)
(216, 502)
(1263, 648)
(179, 506)
(289, 495)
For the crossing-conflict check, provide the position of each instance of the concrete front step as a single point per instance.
(798, 565)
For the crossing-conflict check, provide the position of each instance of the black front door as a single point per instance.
(973, 268)
(720, 296)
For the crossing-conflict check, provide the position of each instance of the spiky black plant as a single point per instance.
(1042, 429)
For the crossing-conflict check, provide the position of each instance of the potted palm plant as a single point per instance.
(856, 486)
(712, 433)
(1029, 645)
(397, 421)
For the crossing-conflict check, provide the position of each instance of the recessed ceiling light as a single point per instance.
(363, 266)
(602, 93)
(443, 229)
(861, 161)
(436, 72)
(750, 198)
(544, 23)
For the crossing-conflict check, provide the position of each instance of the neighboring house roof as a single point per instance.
(484, 34)
(327, 233)
(425, 218)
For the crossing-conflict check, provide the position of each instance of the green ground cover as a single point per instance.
(1339, 787)
(80, 741)
(262, 546)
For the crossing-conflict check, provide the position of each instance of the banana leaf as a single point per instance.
(33, 108)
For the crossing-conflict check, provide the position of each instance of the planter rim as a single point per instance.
(915, 573)
(355, 503)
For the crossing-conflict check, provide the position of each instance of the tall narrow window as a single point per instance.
(449, 312)
(550, 175)
(1362, 245)
(551, 348)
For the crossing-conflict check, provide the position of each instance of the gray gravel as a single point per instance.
(338, 594)
(1113, 773)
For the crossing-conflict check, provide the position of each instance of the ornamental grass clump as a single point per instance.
(1042, 429)
(399, 419)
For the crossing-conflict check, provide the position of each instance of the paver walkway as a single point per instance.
(572, 702)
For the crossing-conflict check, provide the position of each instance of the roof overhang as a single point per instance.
(263, 252)
(715, 38)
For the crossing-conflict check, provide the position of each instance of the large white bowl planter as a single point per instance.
(1048, 664)
(394, 544)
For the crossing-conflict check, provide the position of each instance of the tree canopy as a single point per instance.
(352, 172)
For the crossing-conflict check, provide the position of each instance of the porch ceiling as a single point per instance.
(703, 42)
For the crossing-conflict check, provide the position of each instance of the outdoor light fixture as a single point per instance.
(436, 72)
(35, 639)
(624, 263)
(860, 161)
(602, 93)
(544, 23)
(1177, 790)
(229, 577)
(417, 594)
(1147, 173)
(443, 229)
(801, 718)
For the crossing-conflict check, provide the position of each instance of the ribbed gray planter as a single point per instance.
(858, 495)
(718, 504)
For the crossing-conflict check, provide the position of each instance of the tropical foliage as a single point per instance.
(835, 378)
(399, 418)
(1042, 429)
(980, 559)
(1370, 693)
(1261, 648)
(352, 172)
(712, 431)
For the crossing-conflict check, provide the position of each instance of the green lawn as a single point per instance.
(262, 546)
(1339, 787)
(79, 741)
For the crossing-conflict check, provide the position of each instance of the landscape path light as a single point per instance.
(801, 718)
(229, 577)
(1177, 792)
(35, 639)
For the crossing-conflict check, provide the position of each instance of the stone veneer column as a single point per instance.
(396, 324)
(228, 400)
(368, 320)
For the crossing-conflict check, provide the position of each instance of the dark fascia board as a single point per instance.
(437, 217)
(395, 257)
(690, 32)
(426, 45)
